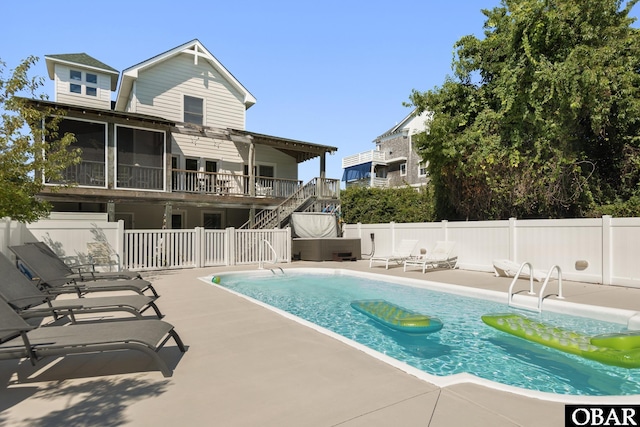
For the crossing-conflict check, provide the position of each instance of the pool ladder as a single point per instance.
(541, 296)
(275, 258)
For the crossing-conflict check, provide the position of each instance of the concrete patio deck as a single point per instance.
(248, 366)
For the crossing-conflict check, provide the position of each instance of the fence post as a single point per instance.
(120, 244)
(445, 230)
(230, 246)
(6, 236)
(392, 225)
(607, 250)
(288, 243)
(198, 250)
(513, 241)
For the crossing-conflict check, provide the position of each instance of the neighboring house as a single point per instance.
(394, 162)
(172, 150)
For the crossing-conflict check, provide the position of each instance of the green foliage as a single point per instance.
(542, 117)
(621, 209)
(376, 205)
(24, 140)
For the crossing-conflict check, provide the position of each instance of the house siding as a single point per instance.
(226, 153)
(160, 91)
(232, 156)
(63, 95)
(285, 166)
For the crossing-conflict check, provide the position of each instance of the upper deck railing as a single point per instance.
(365, 157)
(232, 184)
(93, 174)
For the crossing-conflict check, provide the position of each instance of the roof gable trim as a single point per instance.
(194, 48)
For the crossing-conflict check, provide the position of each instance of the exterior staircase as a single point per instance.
(316, 194)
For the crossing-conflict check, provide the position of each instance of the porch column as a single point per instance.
(111, 211)
(323, 173)
(252, 161)
(168, 212)
(373, 169)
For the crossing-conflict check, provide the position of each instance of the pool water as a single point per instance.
(464, 345)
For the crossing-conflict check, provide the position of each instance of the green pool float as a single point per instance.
(398, 318)
(618, 349)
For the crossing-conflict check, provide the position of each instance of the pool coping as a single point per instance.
(615, 315)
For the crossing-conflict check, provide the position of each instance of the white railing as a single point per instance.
(365, 157)
(165, 249)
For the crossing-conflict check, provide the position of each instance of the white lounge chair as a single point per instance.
(443, 254)
(401, 253)
(508, 268)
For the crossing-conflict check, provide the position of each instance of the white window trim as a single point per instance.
(106, 151)
(84, 84)
(164, 157)
(420, 167)
(204, 109)
(403, 169)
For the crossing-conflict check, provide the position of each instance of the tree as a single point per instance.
(30, 150)
(541, 117)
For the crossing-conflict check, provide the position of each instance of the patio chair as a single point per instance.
(20, 340)
(78, 272)
(401, 253)
(46, 269)
(508, 268)
(29, 301)
(442, 255)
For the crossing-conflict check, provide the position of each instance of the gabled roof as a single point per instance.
(83, 60)
(195, 48)
(397, 127)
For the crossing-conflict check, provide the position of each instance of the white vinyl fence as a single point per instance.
(150, 249)
(609, 247)
(597, 250)
(158, 249)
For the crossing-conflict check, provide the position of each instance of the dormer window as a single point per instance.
(193, 110)
(90, 83)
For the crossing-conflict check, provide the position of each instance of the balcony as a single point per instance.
(231, 184)
(368, 182)
(372, 156)
(136, 177)
(84, 173)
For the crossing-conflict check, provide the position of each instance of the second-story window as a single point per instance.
(90, 83)
(193, 110)
(422, 169)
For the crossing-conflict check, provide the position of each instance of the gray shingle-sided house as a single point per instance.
(172, 150)
(394, 162)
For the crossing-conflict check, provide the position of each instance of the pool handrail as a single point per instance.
(275, 257)
(541, 296)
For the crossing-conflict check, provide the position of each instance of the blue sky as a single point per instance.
(332, 72)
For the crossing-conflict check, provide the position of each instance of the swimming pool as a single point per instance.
(464, 346)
